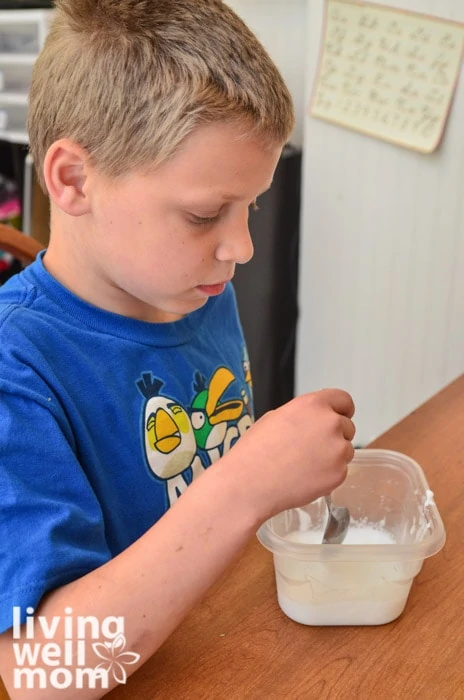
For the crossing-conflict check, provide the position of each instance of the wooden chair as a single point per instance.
(23, 247)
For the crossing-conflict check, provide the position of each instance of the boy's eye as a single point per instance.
(204, 220)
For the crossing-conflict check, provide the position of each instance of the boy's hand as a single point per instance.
(297, 452)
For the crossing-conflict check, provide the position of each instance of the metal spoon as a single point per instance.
(337, 524)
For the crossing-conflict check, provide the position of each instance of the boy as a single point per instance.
(131, 474)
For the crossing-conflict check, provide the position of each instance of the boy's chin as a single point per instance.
(192, 306)
(182, 310)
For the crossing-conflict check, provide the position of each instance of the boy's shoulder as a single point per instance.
(17, 296)
(24, 318)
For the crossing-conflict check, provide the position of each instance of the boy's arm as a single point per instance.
(156, 581)
(288, 458)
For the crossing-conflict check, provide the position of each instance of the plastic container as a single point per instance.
(393, 514)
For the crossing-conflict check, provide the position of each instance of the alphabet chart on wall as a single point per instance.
(388, 73)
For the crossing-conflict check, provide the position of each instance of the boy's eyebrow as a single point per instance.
(226, 197)
(235, 197)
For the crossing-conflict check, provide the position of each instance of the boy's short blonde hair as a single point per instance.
(128, 80)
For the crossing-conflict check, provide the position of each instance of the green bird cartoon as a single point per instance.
(209, 416)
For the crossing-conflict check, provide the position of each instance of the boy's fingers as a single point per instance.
(340, 401)
(350, 452)
(349, 428)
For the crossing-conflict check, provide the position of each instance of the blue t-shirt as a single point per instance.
(104, 421)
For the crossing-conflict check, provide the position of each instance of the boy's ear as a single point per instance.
(65, 173)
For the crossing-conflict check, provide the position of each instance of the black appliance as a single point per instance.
(25, 4)
(267, 286)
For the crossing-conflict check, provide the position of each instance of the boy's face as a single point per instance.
(161, 243)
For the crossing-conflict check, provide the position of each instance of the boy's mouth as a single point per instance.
(212, 290)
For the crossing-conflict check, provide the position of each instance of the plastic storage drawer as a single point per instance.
(13, 119)
(23, 32)
(19, 38)
(15, 77)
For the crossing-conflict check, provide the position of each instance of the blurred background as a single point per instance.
(381, 242)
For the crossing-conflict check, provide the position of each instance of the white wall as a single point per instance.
(382, 264)
(280, 25)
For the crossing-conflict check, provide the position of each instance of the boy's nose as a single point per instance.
(236, 245)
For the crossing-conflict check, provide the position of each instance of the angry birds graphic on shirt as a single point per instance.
(180, 442)
(209, 414)
(169, 437)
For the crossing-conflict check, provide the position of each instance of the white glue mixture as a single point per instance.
(335, 592)
(358, 533)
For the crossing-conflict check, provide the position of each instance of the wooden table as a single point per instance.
(238, 645)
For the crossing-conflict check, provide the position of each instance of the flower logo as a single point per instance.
(115, 657)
